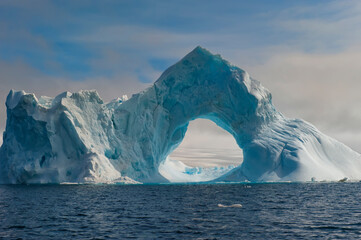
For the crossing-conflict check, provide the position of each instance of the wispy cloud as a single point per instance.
(324, 89)
(327, 26)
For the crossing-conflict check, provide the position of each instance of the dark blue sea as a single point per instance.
(269, 211)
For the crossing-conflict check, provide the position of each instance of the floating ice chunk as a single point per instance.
(343, 179)
(237, 205)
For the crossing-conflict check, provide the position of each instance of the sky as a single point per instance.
(307, 53)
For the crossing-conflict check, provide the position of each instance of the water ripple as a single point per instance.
(225, 211)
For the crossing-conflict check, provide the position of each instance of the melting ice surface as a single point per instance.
(76, 137)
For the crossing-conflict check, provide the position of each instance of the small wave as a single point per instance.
(17, 226)
(81, 215)
(237, 205)
(344, 228)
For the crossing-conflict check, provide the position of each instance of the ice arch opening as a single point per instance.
(205, 153)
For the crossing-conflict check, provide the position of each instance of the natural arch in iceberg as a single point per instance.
(78, 138)
(206, 153)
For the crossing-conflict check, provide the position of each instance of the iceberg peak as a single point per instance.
(13, 98)
(200, 51)
(200, 55)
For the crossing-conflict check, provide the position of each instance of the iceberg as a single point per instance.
(77, 138)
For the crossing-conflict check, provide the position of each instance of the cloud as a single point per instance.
(321, 27)
(205, 144)
(306, 53)
(323, 89)
(203, 133)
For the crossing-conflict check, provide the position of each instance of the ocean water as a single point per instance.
(181, 211)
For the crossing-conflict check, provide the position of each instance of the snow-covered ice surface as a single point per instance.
(76, 137)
